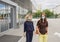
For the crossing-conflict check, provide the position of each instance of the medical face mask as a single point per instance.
(43, 17)
(29, 18)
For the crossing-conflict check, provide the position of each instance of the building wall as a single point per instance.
(17, 7)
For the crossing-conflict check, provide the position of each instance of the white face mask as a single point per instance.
(29, 18)
(43, 17)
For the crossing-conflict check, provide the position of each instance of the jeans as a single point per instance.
(29, 36)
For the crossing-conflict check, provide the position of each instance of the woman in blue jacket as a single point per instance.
(28, 28)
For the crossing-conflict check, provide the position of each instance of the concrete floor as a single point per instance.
(9, 38)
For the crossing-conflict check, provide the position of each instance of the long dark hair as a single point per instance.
(45, 19)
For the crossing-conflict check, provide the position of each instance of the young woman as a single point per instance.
(42, 28)
(28, 28)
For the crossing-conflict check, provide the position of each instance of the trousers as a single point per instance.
(29, 36)
(43, 38)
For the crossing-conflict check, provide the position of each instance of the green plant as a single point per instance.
(37, 14)
(49, 13)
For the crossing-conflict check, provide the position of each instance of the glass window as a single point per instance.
(4, 17)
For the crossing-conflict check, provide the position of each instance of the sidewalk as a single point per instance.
(14, 31)
(12, 35)
(35, 39)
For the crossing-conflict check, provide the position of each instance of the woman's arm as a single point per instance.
(47, 30)
(47, 27)
(24, 33)
(33, 26)
(24, 27)
(37, 30)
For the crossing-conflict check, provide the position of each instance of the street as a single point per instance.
(53, 29)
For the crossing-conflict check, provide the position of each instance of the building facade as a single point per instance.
(11, 12)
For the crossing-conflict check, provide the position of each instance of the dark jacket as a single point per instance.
(28, 26)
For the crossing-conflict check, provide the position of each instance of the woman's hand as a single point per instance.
(37, 30)
(47, 33)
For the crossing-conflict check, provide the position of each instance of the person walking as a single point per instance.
(42, 28)
(28, 28)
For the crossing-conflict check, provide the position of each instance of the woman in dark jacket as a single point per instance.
(28, 28)
(42, 27)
